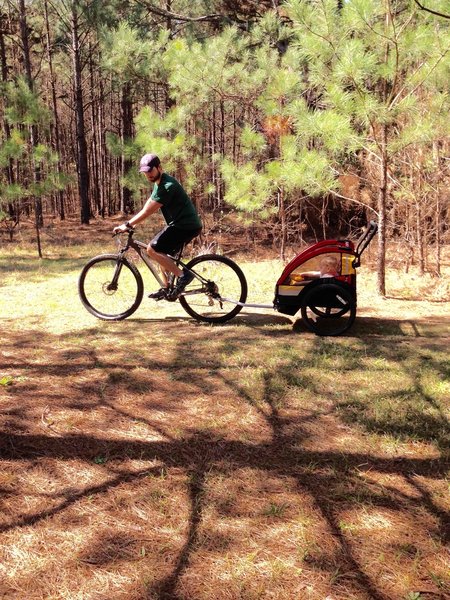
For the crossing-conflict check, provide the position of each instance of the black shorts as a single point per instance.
(171, 239)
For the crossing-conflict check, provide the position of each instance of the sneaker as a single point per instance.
(159, 295)
(183, 280)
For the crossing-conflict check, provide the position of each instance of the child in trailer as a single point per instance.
(329, 267)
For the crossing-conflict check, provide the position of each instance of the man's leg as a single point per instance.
(184, 277)
(164, 277)
(164, 243)
(169, 241)
(164, 261)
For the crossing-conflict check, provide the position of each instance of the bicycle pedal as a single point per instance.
(172, 296)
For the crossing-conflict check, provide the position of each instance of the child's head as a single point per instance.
(329, 264)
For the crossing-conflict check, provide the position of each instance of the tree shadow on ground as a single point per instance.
(199, 455)
(419, 328)
(363, 326)
(416, 299)
(330, 478)
(366, 326)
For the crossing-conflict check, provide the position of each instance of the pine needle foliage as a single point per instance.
(372, 66)
(306, 93)
(22, 110)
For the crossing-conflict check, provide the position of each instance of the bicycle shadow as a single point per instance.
(252, 319)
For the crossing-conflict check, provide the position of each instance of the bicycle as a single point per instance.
(111, 287)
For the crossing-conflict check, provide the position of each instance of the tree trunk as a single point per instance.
(100, 128)
(82, 158)
(383, 185)
(382, 196)
(212, 152)
(55, 128)
(4, 69)
(127, 132)
(438, 224)
(420, 222)
(438, 236)
(94, 186)
(420, 236)
(282, 215)
(38, 221)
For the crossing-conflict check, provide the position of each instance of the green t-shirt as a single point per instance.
(177, 207)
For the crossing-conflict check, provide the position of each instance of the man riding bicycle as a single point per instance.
(183, 223)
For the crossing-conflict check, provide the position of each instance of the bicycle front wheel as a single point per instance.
(110, 287)
(212, 298)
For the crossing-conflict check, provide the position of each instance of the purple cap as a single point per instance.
(148, 161)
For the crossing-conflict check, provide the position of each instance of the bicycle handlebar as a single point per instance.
(129, 230)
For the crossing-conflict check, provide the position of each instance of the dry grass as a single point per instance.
(158, 458)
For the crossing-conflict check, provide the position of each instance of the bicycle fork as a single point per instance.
(112, 286)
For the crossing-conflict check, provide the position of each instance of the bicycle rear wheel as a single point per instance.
(209, 300)
(110, 287)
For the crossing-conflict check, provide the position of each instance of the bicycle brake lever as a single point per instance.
(122, 232)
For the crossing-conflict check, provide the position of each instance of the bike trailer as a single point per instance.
(321, 283)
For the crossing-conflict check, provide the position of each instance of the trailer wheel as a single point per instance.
(328, 308)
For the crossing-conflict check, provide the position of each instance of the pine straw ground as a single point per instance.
(158, 458)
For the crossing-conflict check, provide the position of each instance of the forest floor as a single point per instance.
(161, 458)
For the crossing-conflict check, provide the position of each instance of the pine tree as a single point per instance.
(131, 56)
(368, 62)
(24, 112)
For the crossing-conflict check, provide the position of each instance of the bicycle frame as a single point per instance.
(103, 294)
(141, 250)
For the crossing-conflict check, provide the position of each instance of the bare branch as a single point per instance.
(342, 197)
(166, 13)
(430, 10)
